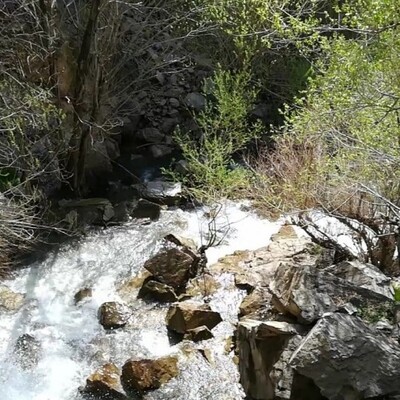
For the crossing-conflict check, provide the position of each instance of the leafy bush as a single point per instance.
(340, 147)
(224, 131)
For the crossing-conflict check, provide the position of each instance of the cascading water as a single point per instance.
(72, 342)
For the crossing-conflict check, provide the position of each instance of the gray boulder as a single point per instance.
(307, 293)
(348, 360)
(363, 275)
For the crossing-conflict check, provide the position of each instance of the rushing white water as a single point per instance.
(74, 344)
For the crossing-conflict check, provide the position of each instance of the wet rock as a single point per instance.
(129, 289)
(27, 351)
(185, 316)
(113, 315)
(143, 375)
(146, 209)
(105, 384)
(9, 300)
(198, 334)
(307, 293)
(157, 291)
(363, 275)
(82, 295)
(161, 190)
(172, 267)
(348, 360)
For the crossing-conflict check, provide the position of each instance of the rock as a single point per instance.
(185, 316)
(160, 191)
(255, 302)
(82, 294)
(181, 241)
(95, 211)
(174, 102)
(307, 293)
(168, 125)
(98, 166)
(198, 334)
(181, 167)
(196, 101)
(203, 285)
(143, 375)
(157, 291)
(113, 315)
(364, 275)
(129, 289)
(150, 135)
(160, 150)
(27, 351)
(112, 148)
(9, 300)
(348, 360)
(264, 350)
(173, 267)
(105, 383)
(146, 209)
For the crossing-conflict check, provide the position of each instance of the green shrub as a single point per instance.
(224, 131)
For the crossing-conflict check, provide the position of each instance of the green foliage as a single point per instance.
(373, 313)
(396, 294)
(225, 130)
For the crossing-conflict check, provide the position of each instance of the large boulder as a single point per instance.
(363, 275)
(264, 349)
(27, 351)
(173, 267)
(105, 384)
(142, 375)
(307, 293)
(9, 300)
(186, 316)
(348, 360)
(113, 315)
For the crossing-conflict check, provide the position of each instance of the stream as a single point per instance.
(74, 344)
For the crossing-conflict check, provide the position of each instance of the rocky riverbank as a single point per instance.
(280, 322)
